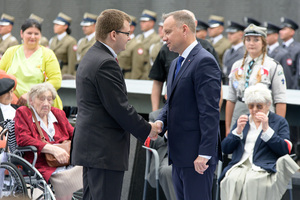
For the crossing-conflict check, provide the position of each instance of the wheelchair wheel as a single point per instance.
(13, 184)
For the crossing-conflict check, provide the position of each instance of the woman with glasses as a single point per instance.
(255, 67)
(56, 129)
(259, 143)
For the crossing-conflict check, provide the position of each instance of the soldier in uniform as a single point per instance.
(278, 52)
(201, 29)
(43, 41)
(287, 32)
(249, 20)
(131, 60)
(147, 38)
(64, 45)
(154, 48)
(88, 27)
(6, 39)
(215, 30)
(235, 35)
(255, 67)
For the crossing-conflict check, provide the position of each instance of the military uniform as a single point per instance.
(65, 48)
(154, 49)
(86, 42)
(44, 41)
(7, 40)
(151, 38)
(132, 60)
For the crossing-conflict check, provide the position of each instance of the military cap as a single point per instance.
(62, 19)
(249, 21)
(234, 27)
(255, 31)
(6, 20)
(285, 22)
(271, 28)
(161, 23)
(133, 20)
(37, 18)
(215, 21)
(6, 84)
(201, 25)
(148, 15)
(88, 19)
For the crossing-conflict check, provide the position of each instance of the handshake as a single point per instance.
(156, 128)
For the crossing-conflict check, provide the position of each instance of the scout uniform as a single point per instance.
(43, 41)
(241, 77)
(147, 39)
(293, 47)
(131, 60)
(235, 53)
(220, 43)
(280, 54)
(86, 42)
(65, 47)
(7, 40)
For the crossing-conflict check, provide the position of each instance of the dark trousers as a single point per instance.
(102, 184)
(189, 185)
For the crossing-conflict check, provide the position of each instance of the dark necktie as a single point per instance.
(179, 61)
(284, 46)
(231, 50)
(249, 71)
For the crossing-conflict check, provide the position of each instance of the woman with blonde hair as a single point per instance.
(255, 67)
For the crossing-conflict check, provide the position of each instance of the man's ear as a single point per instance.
(112, 35)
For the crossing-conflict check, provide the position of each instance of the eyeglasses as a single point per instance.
(258, 106)
(43, 98)
(126, 33)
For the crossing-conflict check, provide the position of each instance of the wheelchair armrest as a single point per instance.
(27, 148)
(156, 159)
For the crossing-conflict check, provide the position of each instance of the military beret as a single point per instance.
(6, 20)
(133, 20)
(62, 19)
(255, 31)
(249, 21)
(148, 15)
(271, 28)
(233, 27)
(215, 21)
(285, 22)
(201, 25)
(88, 19)
(6, 84)
(37, 18)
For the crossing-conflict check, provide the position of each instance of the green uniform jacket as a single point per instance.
(221, 47)
(8, 42)
(65, 51)
(147, 42)
(132, 60)
(83, 46)
(154, 49)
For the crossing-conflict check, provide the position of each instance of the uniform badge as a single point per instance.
(140, 51)
(235, 84)
(75, 47)
(289, 61)
(280, 73)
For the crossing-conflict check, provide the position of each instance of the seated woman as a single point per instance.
(56, 129)
(259, 143)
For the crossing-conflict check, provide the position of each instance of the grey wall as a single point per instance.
(262, 10)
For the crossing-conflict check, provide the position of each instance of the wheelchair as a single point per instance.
(19, 178)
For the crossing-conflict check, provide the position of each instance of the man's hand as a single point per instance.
(200, 164)
(155, 130)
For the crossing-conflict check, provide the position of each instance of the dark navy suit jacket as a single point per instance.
(265, 154)
(191, 113)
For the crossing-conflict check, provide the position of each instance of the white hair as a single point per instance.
(39, 89)
(258, 93)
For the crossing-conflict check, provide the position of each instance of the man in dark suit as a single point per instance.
(105, 119)
(191, 114)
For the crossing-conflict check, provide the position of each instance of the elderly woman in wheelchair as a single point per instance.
(55, 128)
(259, 143)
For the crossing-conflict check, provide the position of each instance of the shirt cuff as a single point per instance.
(207, 157)
(266, 136)
(239, 135)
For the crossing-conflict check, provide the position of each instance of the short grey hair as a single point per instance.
(182, 17)
(39, 89)
(258, 93)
